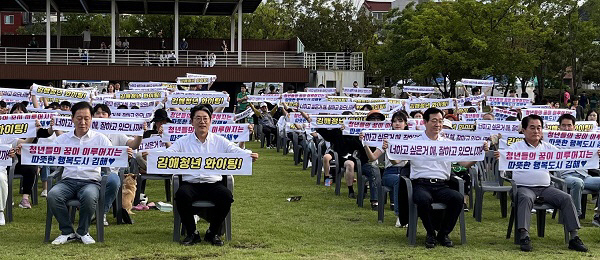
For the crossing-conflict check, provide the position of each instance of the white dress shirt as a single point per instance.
(532, 177)
(430, 169)
(213, 144)
(12, 142)
(91, 138)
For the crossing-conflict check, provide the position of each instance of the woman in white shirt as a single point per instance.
(393, 169)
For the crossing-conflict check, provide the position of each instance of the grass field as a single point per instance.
(266, 226)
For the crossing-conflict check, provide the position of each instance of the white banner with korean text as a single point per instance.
(74, 155)
(196, 163)
(128, 126)
(462, 151)
(551, 160)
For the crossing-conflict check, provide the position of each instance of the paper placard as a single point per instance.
(146, 114)
(570, 139)
(5, 159)
(271, 99)
(436, 151)
(501, 114)
(233, 132)
(471, 117)
(551, 160)
(463, 126)
(196, 163)
(44, 118)
(416, 124)
(477, 82)
(326, 107)
(172, 132)
(152, 143)
(145, 95)
(333, 121)
(498, 126)
(144, 84)
(69, 94)
(465, 109)
(114, 103)
(456, 135)
(580, 126)
(424, 104)
(549, 115)
(339, 99)
(355, 127)
(74, 155)
(374, 138)
(14, 94)
(105, 125)
(321, 90)
(357, 91)
(188, 100)
(22, 128)
(508, 102)
(418, 89)
(472, 99)
(246, 113)
(508, 139)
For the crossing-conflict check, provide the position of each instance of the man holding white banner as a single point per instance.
(534, 184)
(78, 182)
(578, 180)
(201, 184)
(431, 156)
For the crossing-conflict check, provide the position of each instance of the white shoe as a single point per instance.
(398, 225)
(105, 221)
(196, 218)
(87, 239)
(44, 193)
(2, 221)
(63, 239)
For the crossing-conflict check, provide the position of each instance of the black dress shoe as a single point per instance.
(192, 239)
(577, 245)
(430, 241)
(351, 195)
(214, 239)
(526, 244)
(445, 241)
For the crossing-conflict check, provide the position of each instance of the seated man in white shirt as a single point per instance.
(82, 183)
(534, 184)
(113, 184)
(201, 186)
(430, 185)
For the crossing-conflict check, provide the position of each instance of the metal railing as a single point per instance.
(333, 60)
(188, 58)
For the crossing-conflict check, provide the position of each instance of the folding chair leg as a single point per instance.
(168, 189)
(48, 224)
(511, 221)
(228, 226)
(503, 204)
(412, 226)
(463, 229)
(541, 222)
(583, 205)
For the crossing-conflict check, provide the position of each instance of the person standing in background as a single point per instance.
(87, 37)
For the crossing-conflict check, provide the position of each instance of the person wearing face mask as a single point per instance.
(393, 169)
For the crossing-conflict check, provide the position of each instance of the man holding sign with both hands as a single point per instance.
(533, 183)
(201, 184)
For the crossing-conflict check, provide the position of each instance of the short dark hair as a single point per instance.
(367, 106)
(400, 115)
(54, 105)
(524, 95)
(512, 91)
(135, 107)
(202, 107)
(528, 118)
(122, 107)
(2, 104)
(413, 113)
(512, 118)
(104, 108)
(81, 105)
(25, 103)
(65, 103)
(568, 117)
(430, 111)
(475, 89)
(18, 106)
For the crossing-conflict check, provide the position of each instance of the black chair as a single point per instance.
(309, 151)
(488, 179)
(11, 177)
(178, 229)
(9, 199)
(540, 210)
(74, 204)
(413, 216)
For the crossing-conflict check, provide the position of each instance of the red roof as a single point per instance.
(378, 6)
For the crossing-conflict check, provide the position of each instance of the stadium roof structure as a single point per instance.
(186, 7)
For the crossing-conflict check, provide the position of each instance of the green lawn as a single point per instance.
(266, 226)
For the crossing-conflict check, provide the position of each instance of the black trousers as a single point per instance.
(29, 172)
(216, 193)
(426, 193)
(269, 133)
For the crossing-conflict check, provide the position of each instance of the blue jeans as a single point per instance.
(86, 191)
(577, 183)
(113, 183)
(391, 179)
(44, 173)
(369, 171)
